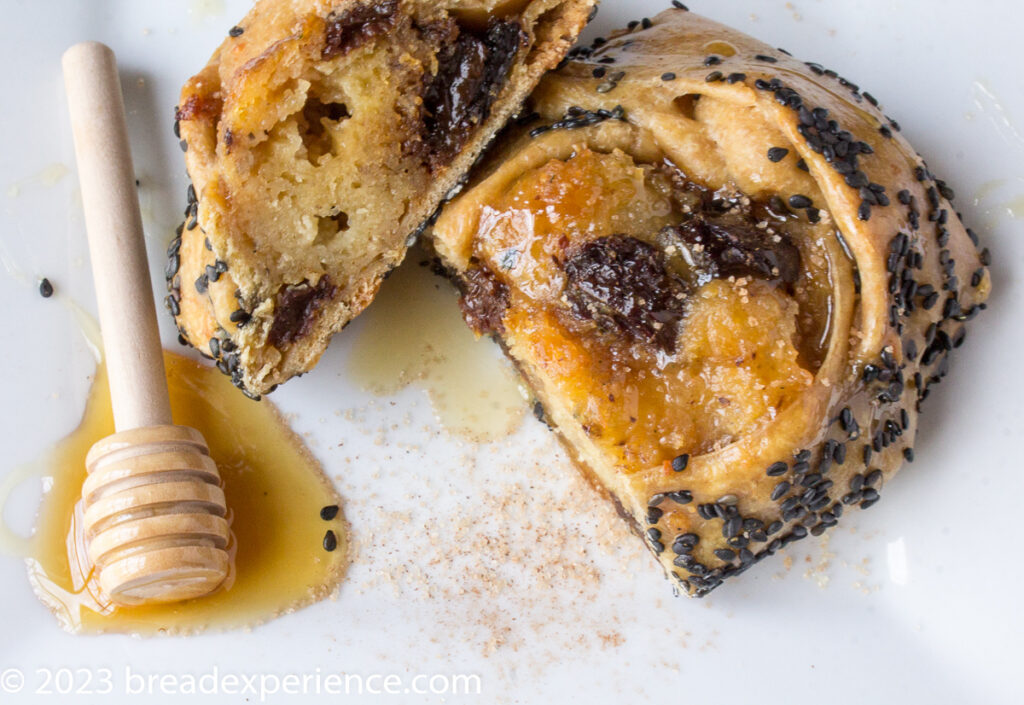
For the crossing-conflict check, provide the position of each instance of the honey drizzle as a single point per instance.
(275, 490)
(413, 334)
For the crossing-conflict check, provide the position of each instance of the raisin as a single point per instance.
(354, 27)
(295, 310)
(623, 285)
(471, 72)
(725, 249)
(484, 300)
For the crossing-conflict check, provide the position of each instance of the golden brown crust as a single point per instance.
(316, 142)
(900, 281)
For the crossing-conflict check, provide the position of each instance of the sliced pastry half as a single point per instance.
(728, 279)
(319, 138)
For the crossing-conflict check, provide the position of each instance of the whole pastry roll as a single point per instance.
(727, 278)
(319, 138)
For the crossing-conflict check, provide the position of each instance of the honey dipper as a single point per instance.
(154, 511)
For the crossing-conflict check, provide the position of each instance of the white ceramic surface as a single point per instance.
(915, 601)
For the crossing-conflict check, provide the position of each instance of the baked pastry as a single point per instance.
(318, 138)
(727, 278)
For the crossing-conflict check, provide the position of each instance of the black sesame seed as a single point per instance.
(846, 418)
(765, 58)
(908, 454)
(736, 77)
(654, 515)
(780, 490)
(810, 480)
(330, 541)
(712, 60)
(776, 469)
(45, 288)
(713, 76)
(857, 179)
(794, 513)
(681, 548)
(732, 526)
(777, 154)
(668, 76)
(738, 541)
(329, 512)
(235, 31)
(680, 497)
(725, 554)
(800, 201)
(172, 266)
(679, 6)
(680, 462)
(864, 211)
(839, 454)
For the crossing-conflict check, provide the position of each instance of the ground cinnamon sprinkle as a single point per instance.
(510, 556)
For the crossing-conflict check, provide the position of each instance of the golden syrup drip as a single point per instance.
(274, 488)
(720, 47)
(413, 333)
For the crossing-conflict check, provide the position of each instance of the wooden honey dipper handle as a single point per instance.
(154, 512)
(131, 339)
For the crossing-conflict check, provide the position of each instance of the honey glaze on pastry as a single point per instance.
(319, 139)
(727, 278)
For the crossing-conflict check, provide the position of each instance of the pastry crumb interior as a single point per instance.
(337, 137)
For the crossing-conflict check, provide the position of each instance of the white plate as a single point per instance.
(914, 601)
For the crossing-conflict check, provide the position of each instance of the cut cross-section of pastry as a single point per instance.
(728, 279)
(319, 139)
